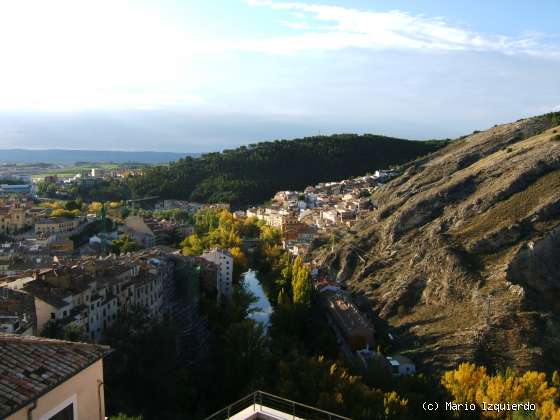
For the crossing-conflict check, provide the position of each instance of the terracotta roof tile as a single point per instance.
(30, 366)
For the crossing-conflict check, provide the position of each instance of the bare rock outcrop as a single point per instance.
(463, 252)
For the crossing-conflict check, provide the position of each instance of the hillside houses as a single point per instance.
(299, 215)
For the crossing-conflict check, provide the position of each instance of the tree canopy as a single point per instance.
(251, 174)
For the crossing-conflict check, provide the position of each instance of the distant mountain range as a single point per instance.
(72, 156)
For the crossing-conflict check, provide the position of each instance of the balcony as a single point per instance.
(262, 405)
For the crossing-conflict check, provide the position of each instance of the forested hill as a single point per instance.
(252, 174)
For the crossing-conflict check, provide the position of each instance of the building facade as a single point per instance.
(91, 294)
(224, 261)
(56, 225)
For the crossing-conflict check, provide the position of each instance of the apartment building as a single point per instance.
(56, 225)
(357, 330)
(224, 262)
(91, 292)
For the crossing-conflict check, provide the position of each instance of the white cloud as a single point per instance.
(333, 27)
(80, 54)
(70, 54)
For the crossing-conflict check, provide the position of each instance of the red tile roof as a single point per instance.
(31, 366)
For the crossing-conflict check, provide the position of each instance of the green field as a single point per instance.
(68, 171)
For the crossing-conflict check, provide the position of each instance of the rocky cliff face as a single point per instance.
(463, 253)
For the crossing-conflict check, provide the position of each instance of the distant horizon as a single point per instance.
(67, 149)
(198, 148)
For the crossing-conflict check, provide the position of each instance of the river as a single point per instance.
(262, 309)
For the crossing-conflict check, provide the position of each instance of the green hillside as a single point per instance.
(252, 174)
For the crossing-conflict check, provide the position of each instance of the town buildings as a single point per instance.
(17, 312)
(224, 261)
(151, 231)
(57, 225)
(91, 294)
(299, 215)
(354, 326)
(18, 215)
(138, 230)
(50, 379)
(8, 189)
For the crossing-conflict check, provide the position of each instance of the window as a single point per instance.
(67, 413)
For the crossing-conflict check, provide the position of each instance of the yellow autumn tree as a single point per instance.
(192, 245)
(394, 405)
(471, 383)
(64, 213)
(556, 379)
(269, 235)
(549, 410)
(463, 382)
(95, 207)
(240, 263)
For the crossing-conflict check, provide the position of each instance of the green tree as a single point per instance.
(193, 245)
(244, 352)
(52, 329)
(73, 205)
(74, 332)
(144, 353)
(252, 174)
(124, 245)
(301, 283)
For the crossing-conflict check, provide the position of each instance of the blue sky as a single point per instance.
(190, 75)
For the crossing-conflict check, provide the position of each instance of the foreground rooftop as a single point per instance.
(32, 366)
(262, 405)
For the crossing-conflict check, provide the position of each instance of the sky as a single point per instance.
(195, 76)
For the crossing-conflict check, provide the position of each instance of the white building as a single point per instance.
(224, 261)
(400, 365)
